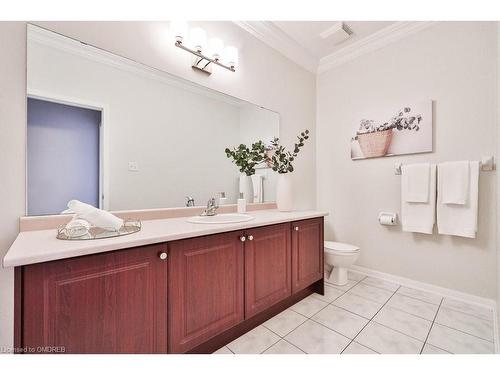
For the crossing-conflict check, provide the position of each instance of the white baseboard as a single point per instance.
(445, 292)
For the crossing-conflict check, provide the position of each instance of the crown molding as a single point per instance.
(277, 39)
(75, 47)
(274, 37)
(380, 39)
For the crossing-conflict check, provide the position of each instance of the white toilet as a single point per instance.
(339, 256)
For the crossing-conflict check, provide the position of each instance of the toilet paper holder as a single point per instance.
(388, 218)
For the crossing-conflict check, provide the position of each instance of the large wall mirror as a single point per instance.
(120, 135)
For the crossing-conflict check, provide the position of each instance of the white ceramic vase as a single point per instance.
(284, 192)
(246, 187)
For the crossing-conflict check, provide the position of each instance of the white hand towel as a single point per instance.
(415, 182)
(420, 216)
(257, 188)
(460, 219)
(454, 177)
(95, 216)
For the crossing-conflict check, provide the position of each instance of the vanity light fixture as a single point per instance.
(206, 54)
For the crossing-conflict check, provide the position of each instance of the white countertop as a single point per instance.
(42, 245)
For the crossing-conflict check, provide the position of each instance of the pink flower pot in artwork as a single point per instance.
(375, 144)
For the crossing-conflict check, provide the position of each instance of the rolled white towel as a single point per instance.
(95, 216)
(77, 227)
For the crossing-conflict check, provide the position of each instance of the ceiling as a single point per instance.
(307, 34)
(302, 41)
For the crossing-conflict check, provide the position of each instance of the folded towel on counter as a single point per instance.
(454, 182)
(459, 219)
(415, 182)
(95, 216)
(420, 216)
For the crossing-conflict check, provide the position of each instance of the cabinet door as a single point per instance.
(205, 288)
(307, 253)
(268, 266)
(113, 302)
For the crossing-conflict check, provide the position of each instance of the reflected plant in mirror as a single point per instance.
(247, 158)
(282, 159)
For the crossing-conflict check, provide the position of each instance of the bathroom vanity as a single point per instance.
(175, 287)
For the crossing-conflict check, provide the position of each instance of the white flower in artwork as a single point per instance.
(403, 120)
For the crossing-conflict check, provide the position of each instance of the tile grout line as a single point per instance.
(309, 318)
(436, 294)
(280, 338)
(294, 345)
(432, 325)
(349, 290)
(409, 313)
(370, 320)
(412, 314)
(465, 333)
(468, 314)
(420, 299)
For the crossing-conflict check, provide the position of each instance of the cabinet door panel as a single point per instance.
(205, 288)
(105, 303)
(307, 253)
(267, 267)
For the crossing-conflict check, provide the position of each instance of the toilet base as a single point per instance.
(338, 276)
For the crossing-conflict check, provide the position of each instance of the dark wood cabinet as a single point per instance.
(205, 288)
(307, 253)
(268, 266)
(218, 286)
(105, 303)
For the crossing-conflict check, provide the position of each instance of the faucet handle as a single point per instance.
(189, 201)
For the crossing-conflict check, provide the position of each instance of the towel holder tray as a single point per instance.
(95, 233)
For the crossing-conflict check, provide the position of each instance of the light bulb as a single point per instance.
(231, 56)
(215, 47)
(198, 39)
(178, 29)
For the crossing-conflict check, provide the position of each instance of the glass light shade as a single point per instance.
(179, 30)
(231, 56)
(215, 47)
(198, 38)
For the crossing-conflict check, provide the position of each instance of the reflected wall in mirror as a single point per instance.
(121, 135)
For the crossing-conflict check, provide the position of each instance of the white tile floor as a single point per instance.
(370, 316)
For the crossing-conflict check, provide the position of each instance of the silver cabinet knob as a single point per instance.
(163, 256)
(250, 237)
(243, 238)
(296, 229)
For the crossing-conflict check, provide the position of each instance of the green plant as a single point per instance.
(282, 159)
(247, 158)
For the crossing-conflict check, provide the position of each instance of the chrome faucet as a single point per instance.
(211, 208)
(189, 201)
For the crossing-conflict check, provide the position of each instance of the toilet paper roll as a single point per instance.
(387, 218)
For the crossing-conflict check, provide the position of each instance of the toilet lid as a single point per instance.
(341, 247)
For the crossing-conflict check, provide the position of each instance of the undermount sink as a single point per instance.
(220, 219)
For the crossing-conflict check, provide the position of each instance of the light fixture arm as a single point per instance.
(203, 57)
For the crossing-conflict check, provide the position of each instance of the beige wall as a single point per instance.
(454, 64)
(264, 77)
(12, 156)
(498, 178)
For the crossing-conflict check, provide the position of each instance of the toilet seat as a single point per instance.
(340, 248)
